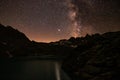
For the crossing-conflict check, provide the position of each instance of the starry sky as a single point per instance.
(52, 20)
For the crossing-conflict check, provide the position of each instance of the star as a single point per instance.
(58, 30)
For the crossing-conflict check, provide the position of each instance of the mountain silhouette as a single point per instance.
(11, 40)
(10, 35)
(14, 43)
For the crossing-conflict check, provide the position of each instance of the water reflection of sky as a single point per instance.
(31, 70)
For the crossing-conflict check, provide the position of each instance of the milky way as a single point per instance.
(75, 24)
(51, 20)
(97, 16)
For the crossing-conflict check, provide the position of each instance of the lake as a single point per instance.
(32, 70)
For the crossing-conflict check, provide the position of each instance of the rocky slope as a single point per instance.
(96, 57)
(12, 41)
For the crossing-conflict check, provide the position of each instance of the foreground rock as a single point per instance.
(96, 58)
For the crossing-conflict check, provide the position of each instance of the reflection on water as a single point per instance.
(57, 67)
(30, 70)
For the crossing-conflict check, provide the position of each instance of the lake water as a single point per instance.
(31, 70)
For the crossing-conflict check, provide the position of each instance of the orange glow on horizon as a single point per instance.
(44, 40)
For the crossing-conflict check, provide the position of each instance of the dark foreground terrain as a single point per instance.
(96, 57)
(93, 57)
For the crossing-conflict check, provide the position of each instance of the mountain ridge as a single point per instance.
(93, 57)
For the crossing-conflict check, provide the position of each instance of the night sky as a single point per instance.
(51, 20)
